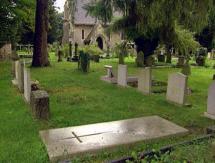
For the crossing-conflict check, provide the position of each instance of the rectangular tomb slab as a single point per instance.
(66, 142)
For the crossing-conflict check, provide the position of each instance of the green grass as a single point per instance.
(77, 99)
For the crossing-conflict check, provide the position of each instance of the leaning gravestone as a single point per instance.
(122, 75)
(20, 76)
(177, 87)
(40, 104)
(145, 80)
(27, 85)
(211, 102)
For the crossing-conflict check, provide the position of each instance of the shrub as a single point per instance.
(93, 50)
(66, 50)
(122, 51)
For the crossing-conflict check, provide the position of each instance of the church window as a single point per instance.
(83, 37)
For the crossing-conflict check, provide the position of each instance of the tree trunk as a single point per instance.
(40, 55)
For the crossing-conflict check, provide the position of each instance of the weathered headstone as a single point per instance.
(40, 104)
(211, 102)
(145, 80)
(27, 85)
(177, 87)
(122, 75)
(20, 76)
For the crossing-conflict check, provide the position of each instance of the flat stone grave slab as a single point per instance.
(66, 142)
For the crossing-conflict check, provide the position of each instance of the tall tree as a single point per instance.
(12, 14)
(207, 36)
(40, 54)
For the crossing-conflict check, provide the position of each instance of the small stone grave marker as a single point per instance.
(211, 102)
(145, 80)
(177, 88)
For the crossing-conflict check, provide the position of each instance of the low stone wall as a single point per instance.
(5, 52)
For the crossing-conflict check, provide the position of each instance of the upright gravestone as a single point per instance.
(27, 85)
(20, 75)
(176, 90)
(122, 75)
(16, 69)
(145, 80)
(211, 102)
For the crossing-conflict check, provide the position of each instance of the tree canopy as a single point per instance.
(13, 14)
(157, 21)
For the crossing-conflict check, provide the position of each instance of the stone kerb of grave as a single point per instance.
(177, 88)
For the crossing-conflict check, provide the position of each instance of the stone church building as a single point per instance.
(83, 29)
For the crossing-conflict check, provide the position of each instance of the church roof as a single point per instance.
(81, 16)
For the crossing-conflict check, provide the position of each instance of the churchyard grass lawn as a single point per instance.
(78, 99)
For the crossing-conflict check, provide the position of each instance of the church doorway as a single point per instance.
(100, 43)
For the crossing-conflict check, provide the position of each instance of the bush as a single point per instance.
(122, 51)
(66, 50)
(93, 50)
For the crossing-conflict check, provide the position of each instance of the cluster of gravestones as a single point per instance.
(177, 89)
(38, 99)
